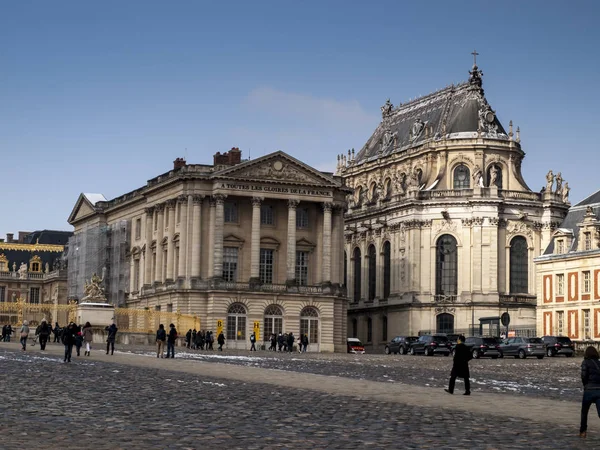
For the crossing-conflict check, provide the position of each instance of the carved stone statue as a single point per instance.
(477, 176)
(416, 129)
(388, 139)
(47, 268)
(559, 182)
(23, 271)
(399, 181)
(93, 291)
(386, 109)
(493, 175)
(549, 181)
(565, 192)
(14, 266)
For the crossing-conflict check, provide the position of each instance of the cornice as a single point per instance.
(32, 247)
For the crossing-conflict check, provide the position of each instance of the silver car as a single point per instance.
(522, 347)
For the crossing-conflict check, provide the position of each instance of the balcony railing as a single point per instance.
(34, 275)
(529, 299)
(446, 298)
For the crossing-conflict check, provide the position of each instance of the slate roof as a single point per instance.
(453, 112)
(51, 237)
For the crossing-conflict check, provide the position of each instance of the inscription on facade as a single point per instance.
(276, 189)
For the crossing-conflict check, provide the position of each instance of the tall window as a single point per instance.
(345, 269)
(495, 170)
(560, 246)
(176, 268)
(357, 274)
(301, 218)
(587, 239)
(372, 272)
(369, 329)
(273, 321)
(309, 324)
(560, 322)
(2, 294)
(155, 220)
(560, 284)
(446, 263)
(384, 328)
(138, 229)
(267, 216)
(519, 273)
(302, 268)
(387, 259)
(445, 323)
(462, 177)
(34, 295)
(178, 216)
(230, 212)
(236, 322)
(586, 324)
(587, 282)
(136, 275)
(266, 266)
(230, 263)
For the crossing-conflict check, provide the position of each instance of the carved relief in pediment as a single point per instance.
(278, 169)
(443, 226)
(516, 228)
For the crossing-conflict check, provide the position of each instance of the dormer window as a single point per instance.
(35, 264)
(560, 246)
(587, 240)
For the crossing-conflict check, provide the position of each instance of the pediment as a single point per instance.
(83, 208)
(278, 167)
(232, 240)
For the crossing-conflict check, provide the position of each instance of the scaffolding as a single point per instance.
(100, 249)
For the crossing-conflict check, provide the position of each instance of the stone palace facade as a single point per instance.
(245, 245)
(442, 228)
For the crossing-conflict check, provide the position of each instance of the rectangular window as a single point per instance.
(176, 268)
(230, 262)
(2, 294)
(586, 324)
(560, 284)
(267, 217)
(302, 268)
(169, 307)
(266, 266)
(587, 240)
(560, 322)
(586, 282)
(138, 229)
(302, 218)
(230, 212)
(155, 221)
(178, 217)
(136, 275)
(34, 295)
(560, 246)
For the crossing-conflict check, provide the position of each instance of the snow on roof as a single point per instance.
(95, 198)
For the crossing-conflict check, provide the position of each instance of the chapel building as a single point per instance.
(247, 245)
(442, 229)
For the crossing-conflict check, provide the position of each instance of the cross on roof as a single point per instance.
(474, 53)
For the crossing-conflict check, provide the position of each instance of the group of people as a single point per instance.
(284, 342)
(199, 339)
(6, 332)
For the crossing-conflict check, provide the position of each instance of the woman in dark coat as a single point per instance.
(460, 367)
(68, 338)
(590, 377)
(221, 340)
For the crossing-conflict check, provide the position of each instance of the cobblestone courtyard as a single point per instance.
(136, 401)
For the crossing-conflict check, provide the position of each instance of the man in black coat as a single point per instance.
(460, 367)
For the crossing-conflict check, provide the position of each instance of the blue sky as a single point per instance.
(101, 96)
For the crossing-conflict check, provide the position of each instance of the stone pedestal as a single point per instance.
(97, 314)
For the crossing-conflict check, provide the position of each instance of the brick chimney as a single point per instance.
(9, 237)
(230, 158)
(179, 163)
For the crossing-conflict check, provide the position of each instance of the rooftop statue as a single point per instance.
(549, 181)
(23, 271)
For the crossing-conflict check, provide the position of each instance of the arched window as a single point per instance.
(462, 177)
(357, 274)
(354, 328)
(519, 273)
(359, 196)
(384, 329)
(372, 272)
(236, 322)
(445, 323)
(309, 324)
(345, 269)
(387, 260)
(273, 321)
(369, 329)
(388, 189)
(494, 176)
(446, 264)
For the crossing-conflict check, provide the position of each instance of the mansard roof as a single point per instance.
(457, 111)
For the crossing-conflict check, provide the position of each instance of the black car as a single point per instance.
(430, 345)
(558, 345)
(400, 344)
(483, 347)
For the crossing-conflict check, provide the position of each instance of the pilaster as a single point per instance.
(327, 242)
(255, 241)
(218, 235)
(196, 245)
(170, 244)
(291, 242)
(158, 269)
(183, 236)
(149, 215)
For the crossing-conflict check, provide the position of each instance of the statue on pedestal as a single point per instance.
(549, 182)
(94, 291)
(23, 271)
(565, 192)
(559, 182)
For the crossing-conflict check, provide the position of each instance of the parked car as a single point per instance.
(558, 345)
(355, 346)
(522, 347)
(400, 344)
(430, 345)
(453, 339)
(483, 347)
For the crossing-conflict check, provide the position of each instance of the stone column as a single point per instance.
(218, 235)
(327, 242)
(291, 242)
(160, 209)
(194, 246)
(148, 256)
(170, 244)
(255, 238)
(183, 230)
(337, 246)
(210, 268)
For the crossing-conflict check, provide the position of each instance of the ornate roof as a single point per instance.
(457, 111)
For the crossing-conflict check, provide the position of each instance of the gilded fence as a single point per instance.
(128, 320)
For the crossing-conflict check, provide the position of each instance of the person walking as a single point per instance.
(24, 333)
(590, 377)
(290, 342)
(193, 341)
(460, 366)
(68, 339)
(44, 333)
(304, 343)
(280, 341)
(9, 330)
(56, 331)
(211, 340)
(273, 342)
(110, 340)
(171, 341)
(88, 337)
(253, 342)
(188, 338)
(78, 339)
(221, 341)
(161, 339)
